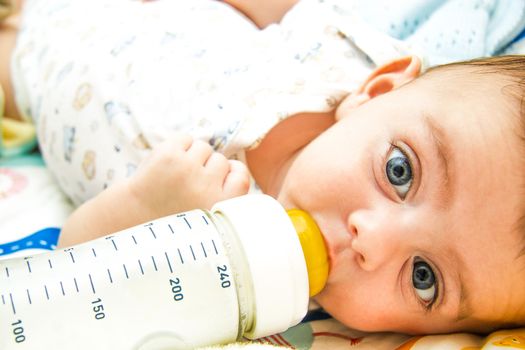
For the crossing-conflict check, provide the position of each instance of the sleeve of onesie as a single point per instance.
(317, 55)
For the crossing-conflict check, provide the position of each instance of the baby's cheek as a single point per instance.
(355, 303)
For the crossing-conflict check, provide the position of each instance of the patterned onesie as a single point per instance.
(106, 80)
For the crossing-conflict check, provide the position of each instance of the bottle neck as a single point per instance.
(273, 258)
(243, 282)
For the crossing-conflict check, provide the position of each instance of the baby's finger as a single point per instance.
(167, 150)
(237, 181)
(200, 151)
(176, 140)
(173, 144)
(218, 165)
(238, 167)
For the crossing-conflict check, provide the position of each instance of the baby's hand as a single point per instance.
(183, 174)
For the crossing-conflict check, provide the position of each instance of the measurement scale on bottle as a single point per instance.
(141, 275)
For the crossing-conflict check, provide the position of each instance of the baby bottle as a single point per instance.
(244, 269)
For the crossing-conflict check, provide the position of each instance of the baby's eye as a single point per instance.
(399, 172)
(424, 281)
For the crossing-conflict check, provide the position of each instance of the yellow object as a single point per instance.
(16, 133)
(314, 249)
(16, 136)
(6, 8)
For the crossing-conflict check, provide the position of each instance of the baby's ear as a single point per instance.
(382, 80)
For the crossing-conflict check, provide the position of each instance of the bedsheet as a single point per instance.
(32, 207)
(32, 210)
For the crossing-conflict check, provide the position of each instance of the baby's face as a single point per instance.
(419, 194)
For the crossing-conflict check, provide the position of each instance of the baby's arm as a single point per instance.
(263, 13)
(181, 174)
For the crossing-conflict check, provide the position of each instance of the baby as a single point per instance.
(405, 183)
(400, 177)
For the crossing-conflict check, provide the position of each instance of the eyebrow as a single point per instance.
(444, 152)
(465, 309)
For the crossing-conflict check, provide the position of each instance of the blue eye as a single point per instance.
(424, 281)
(399, 172)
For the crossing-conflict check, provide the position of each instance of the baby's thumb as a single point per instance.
(237, 182)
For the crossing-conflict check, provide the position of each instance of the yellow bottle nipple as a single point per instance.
(314, 249)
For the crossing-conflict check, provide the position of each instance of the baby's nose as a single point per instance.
(375, 238)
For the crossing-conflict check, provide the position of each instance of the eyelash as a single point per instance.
(402, 148)
(428, 307)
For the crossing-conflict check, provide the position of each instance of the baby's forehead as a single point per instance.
(461, 75)
(472, 88)
(478, 79)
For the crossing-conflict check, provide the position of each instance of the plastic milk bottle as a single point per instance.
(245, 269)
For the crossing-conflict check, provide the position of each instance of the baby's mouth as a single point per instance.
(338, 246)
